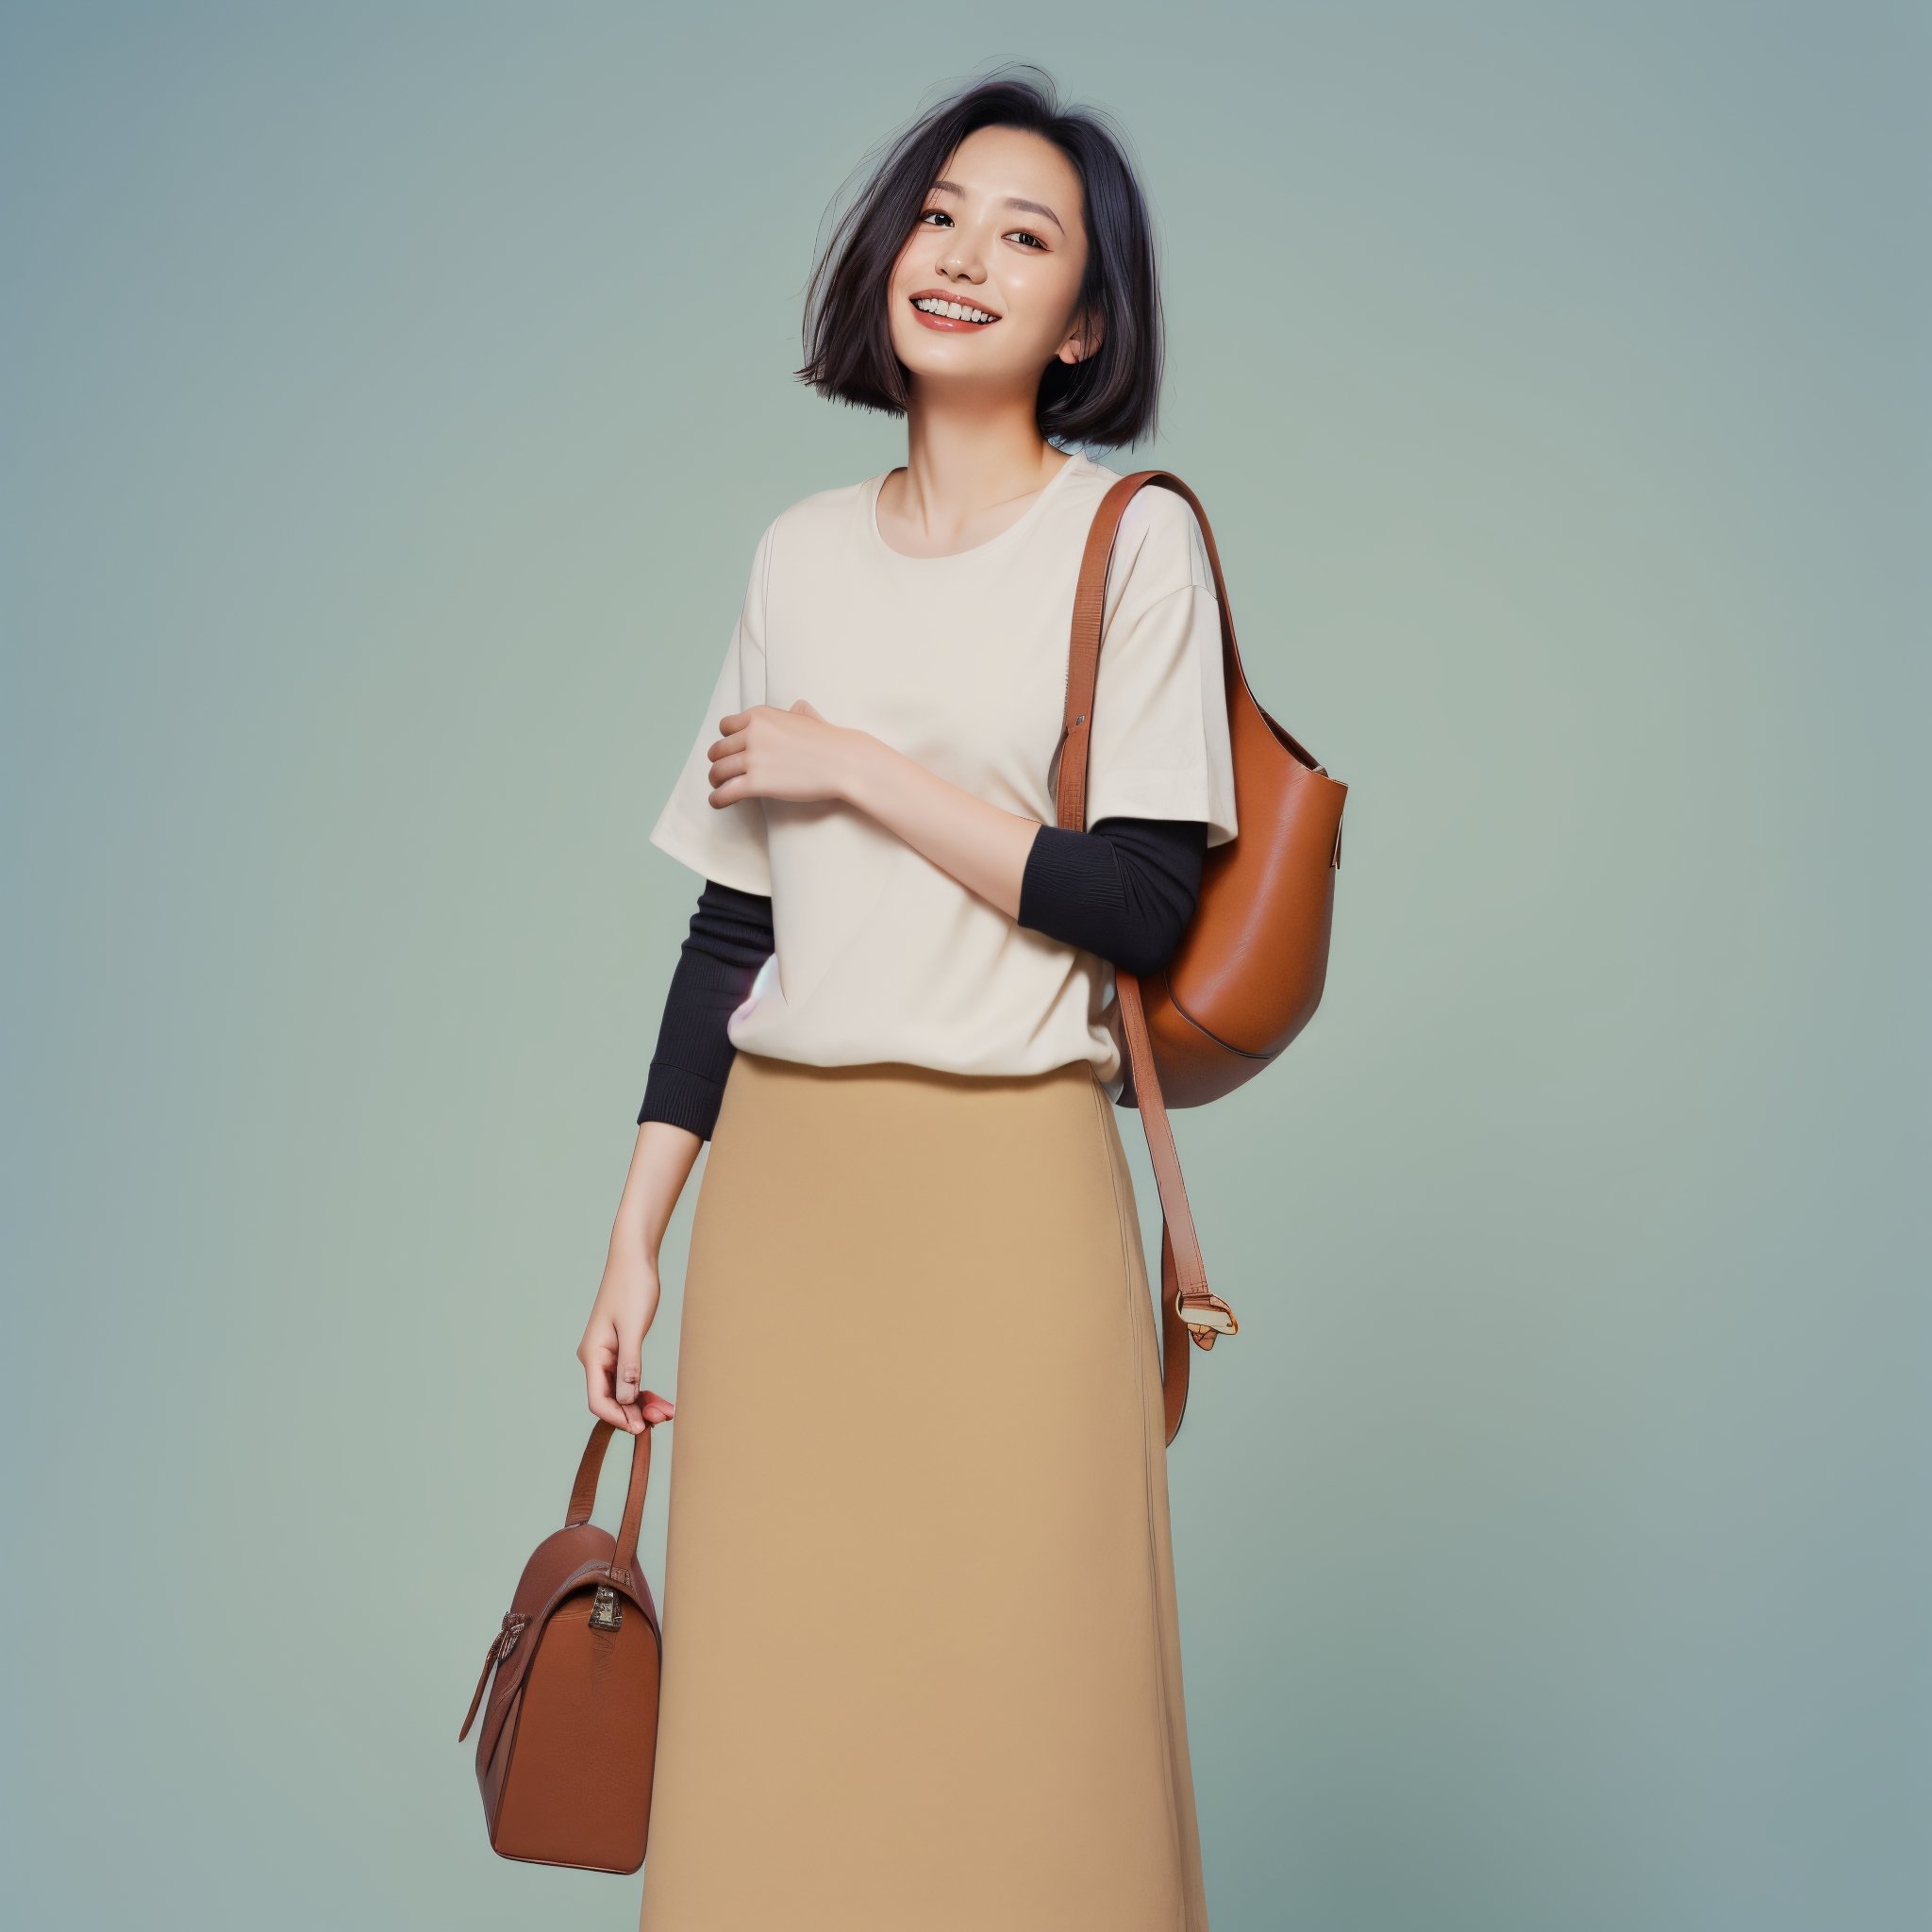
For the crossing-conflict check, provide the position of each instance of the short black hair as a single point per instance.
(1108, 399)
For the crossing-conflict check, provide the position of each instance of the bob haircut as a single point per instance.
(1109, 399)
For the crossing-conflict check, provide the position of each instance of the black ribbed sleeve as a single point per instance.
(731, 938)
(1126, 889)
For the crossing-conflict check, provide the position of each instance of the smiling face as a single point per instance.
(1002, 235)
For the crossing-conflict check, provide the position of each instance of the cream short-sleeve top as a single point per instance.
(959, 662)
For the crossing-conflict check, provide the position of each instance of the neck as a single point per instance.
(965, 457)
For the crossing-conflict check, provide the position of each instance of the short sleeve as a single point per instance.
(724, 842)
(1160, 747)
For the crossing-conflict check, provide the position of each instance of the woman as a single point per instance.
(921, 1669)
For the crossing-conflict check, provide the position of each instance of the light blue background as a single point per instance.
(392, 397)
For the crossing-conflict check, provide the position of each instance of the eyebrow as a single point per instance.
(1032, 208)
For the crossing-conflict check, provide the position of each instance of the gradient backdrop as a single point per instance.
(392, 398)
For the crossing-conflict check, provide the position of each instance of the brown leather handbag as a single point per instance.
(570, 1736)
(1248, 973)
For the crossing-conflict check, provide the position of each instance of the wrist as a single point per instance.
(635, 1235)
(861, 770)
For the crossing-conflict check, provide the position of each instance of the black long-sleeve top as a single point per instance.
(1124, 889)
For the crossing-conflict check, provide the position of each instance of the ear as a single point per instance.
(1083, 339)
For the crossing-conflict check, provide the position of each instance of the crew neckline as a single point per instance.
(1012, 530)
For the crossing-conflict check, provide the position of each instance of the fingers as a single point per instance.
(733, 725)
(730, 759)
(629, 1377)
(597, 1355)
(614, 1381)
(792, 767)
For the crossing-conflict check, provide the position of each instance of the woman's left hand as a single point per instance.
(795, 754)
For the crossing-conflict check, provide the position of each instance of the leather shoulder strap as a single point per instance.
(1188, 1309)
(1089, 609)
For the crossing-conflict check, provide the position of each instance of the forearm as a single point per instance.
(1125, 888)
(982, 846)
(660, 1162)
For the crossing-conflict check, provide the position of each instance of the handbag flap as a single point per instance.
(511, 1670)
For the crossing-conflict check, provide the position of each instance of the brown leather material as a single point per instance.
(1249, 972)
(565, 1754)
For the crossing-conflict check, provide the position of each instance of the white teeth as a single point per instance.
(958, 311)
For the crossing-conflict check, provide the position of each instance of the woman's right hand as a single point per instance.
(612, 1348)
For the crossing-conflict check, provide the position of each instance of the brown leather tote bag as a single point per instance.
(570, 1736)
(1249, 972)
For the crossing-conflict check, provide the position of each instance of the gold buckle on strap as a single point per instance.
(1206, 1315)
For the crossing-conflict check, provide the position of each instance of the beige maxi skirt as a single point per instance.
(922, 1666)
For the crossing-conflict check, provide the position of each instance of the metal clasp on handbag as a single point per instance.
(1219, 1320)
(606, 1613)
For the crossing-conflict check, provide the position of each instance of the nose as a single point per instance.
(961, 262)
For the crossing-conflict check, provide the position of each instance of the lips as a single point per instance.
(952, 323)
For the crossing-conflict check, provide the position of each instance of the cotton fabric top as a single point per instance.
(961, 664)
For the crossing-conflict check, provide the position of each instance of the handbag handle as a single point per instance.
(583, 1492)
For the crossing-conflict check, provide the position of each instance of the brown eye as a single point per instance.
(1034, 239)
